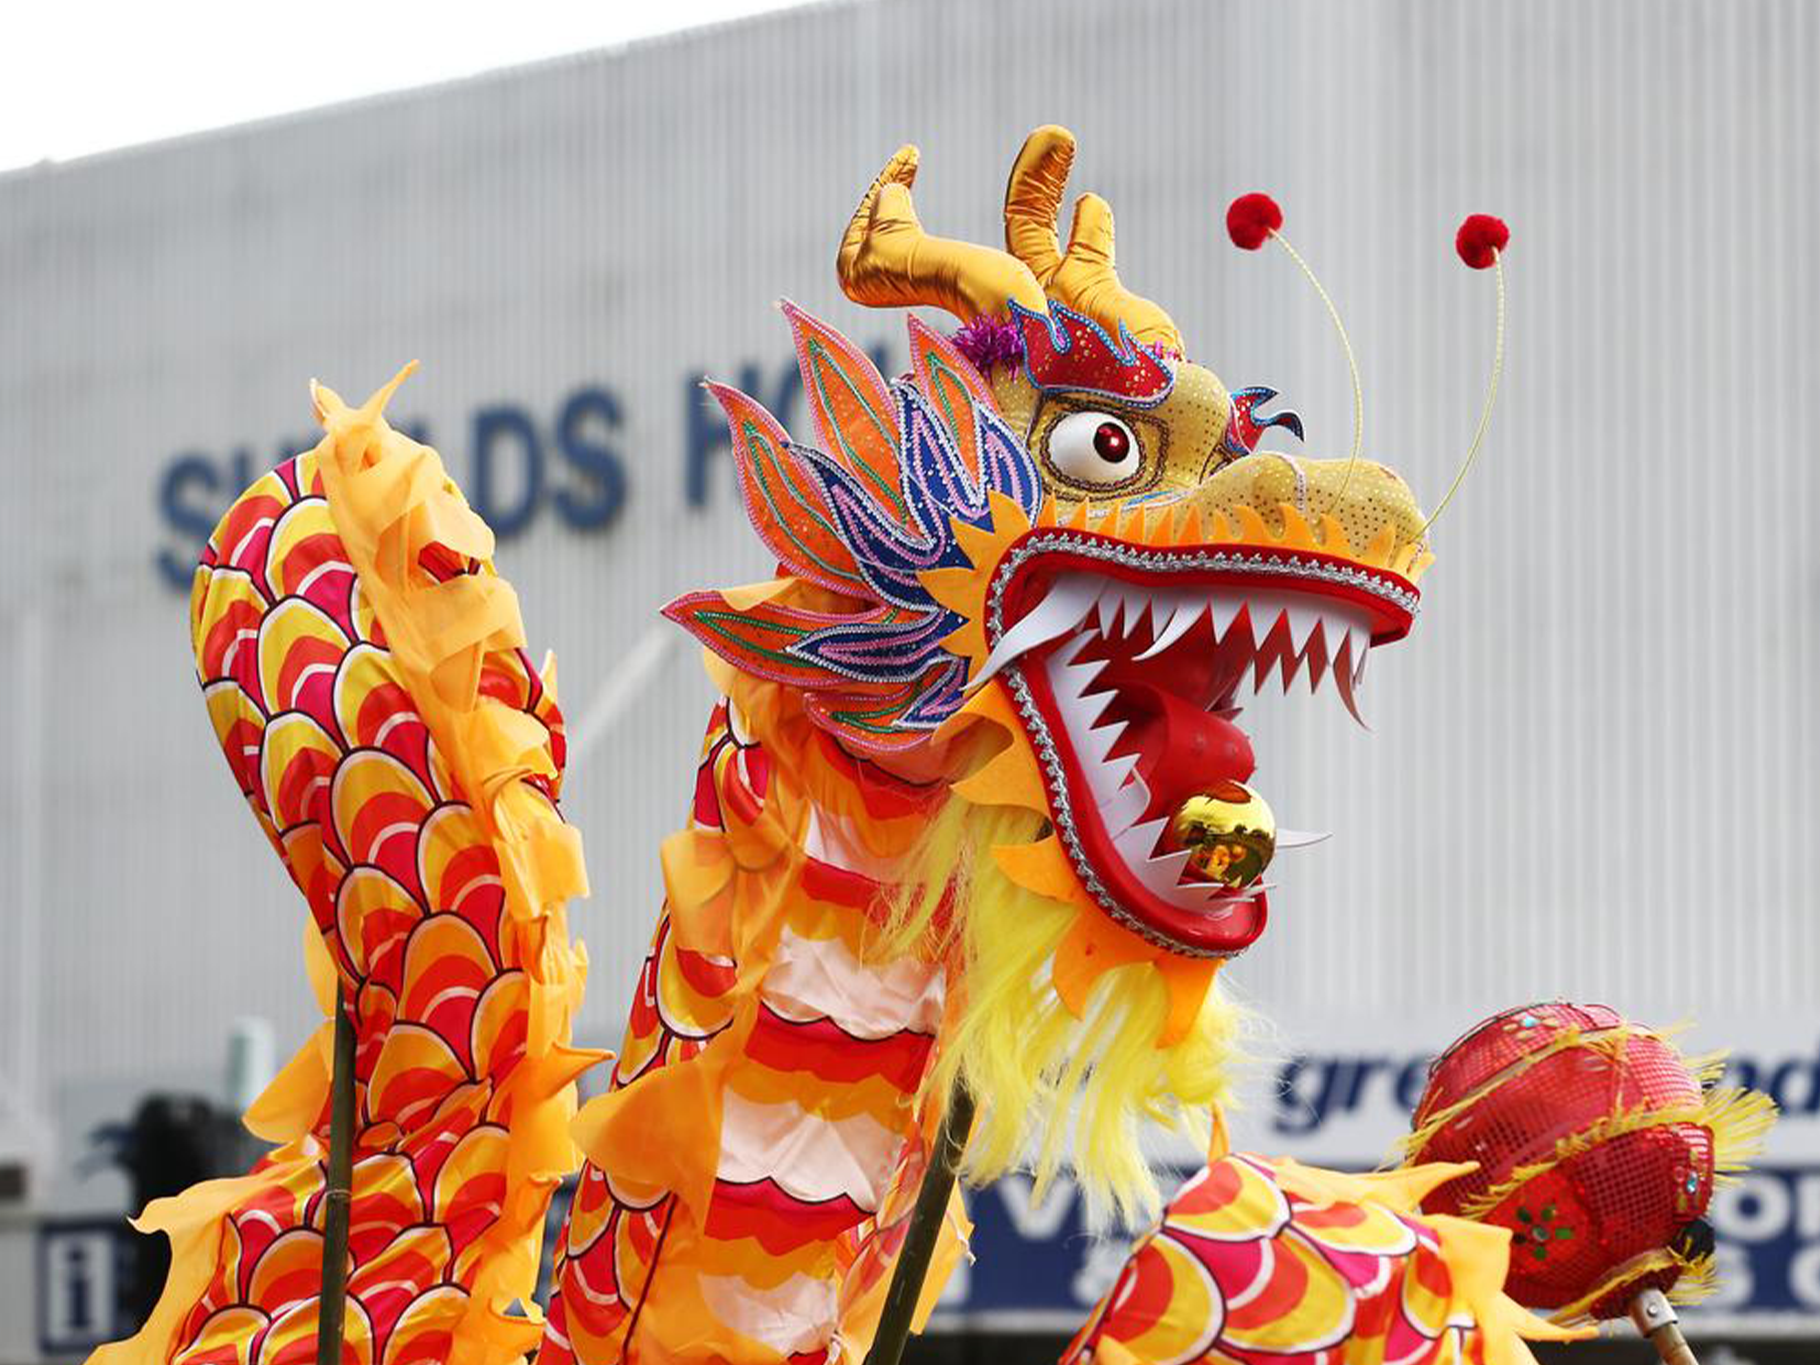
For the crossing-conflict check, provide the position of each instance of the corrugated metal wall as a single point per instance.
(1591, 766)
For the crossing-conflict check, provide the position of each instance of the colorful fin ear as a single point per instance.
(848, 400)
(782, 498)
(958, 390)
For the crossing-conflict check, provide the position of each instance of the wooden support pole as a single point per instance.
(331, 1322)
(1654, 1317)
(925, 1223)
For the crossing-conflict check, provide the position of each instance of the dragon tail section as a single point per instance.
(364, 672)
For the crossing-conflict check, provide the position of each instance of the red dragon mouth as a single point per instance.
(1127, 666)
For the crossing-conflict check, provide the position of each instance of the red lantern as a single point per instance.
(1597, 1145)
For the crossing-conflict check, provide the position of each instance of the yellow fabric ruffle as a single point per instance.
(193, 1222)
(390, 501)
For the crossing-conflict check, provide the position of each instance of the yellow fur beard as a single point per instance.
(1053, 1091)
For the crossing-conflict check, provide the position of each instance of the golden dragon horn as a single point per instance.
(1083, 277)
(887, 260)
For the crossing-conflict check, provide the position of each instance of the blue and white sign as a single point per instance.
(79, 1279)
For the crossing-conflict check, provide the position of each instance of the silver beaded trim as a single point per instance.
(1059, 803)
(1190, 561)
(1158, 561)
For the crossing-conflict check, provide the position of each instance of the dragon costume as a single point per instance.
(971, 810)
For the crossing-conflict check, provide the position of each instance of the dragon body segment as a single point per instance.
(777, 1063)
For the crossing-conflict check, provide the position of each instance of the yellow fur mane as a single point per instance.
(1052, 1089)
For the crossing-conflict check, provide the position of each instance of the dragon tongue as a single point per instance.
(1180, 748)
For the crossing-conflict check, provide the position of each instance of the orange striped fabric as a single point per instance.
(751, 1168)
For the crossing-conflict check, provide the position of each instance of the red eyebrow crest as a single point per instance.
(1065, 352)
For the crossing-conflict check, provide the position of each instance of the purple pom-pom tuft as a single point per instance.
(990, 342)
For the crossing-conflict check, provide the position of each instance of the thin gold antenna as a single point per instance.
(1253, 219)
(1480, 242)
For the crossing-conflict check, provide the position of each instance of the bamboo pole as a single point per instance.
(331, 1321)
(925, 1222)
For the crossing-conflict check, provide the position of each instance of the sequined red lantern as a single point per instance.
(1598, 1143)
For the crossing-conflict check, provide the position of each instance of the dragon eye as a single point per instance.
(1094, 447)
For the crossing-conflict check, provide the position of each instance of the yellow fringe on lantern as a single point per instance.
(1695, 1280)
(1053, 1088)
(1739, 1120)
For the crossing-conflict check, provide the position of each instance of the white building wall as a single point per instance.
(1590, 771)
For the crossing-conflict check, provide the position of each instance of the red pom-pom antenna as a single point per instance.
(1250, 219)
(1479, 240)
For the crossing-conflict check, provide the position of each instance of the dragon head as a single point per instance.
(1057, 527)
(1057, 519)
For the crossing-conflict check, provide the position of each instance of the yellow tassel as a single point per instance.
(1740, 1121)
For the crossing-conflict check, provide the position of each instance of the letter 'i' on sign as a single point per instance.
(77, 1287)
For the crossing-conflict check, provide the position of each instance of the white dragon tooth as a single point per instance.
(1364, 653)
(1262, 664)
(1118, 810)
(1291, 663)
(1062, 610)
(1094, 744)
(1116, 771)
(1345, 680)
(1316, 658)
(1164, 875)
(1260, 619)
(1224, 611)
(1069, 683)
(1211, 899)
(1073, 649)
(1300, 838)
(1232, 900)
(1120, 607)
(1302, 623)
(1079, 711)
(1336, 625)
(1114, 619)
(1136, 844)
(1183, 612)
(1135, 602)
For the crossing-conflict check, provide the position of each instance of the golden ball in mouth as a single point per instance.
(1230, 833)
